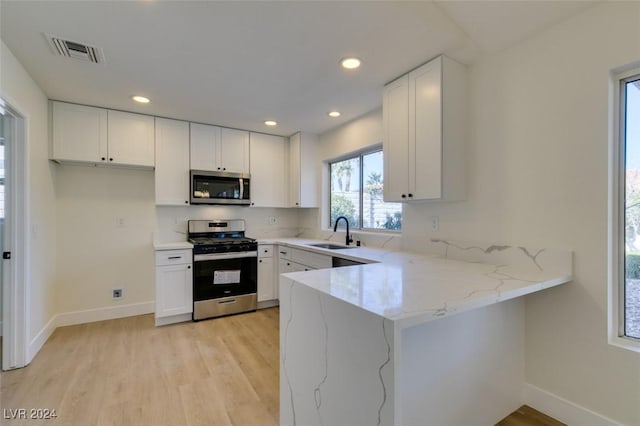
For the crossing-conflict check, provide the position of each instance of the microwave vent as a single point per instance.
(75, 50)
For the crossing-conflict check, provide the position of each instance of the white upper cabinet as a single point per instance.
(79, 133)
(130, 138)
(219, 149)
(96, 135)
(204, 145)
(269, 167)
(302, 170)
(234, 150)
(424, 119)
(172, 162)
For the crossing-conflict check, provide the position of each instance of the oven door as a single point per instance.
(224, 274)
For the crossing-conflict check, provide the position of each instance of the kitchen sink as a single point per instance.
(330, 246)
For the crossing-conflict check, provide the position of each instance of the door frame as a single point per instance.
(15, 282)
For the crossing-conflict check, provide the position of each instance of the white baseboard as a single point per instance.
(563, 410)
(173, 319)
(101, 314)
(36, 344)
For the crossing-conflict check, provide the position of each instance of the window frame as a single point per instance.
(353, 155)
(617, 212)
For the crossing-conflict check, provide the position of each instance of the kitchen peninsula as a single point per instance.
(413, 339)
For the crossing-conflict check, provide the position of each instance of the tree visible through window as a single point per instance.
(630, 138)
(356, 193)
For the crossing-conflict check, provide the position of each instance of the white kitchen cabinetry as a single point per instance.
(424, 120)
(267, 284)
(302, 170)
(219, 149)
(78, 132)
(174, 286)
(130, 139)
(269, 176)
(172, 162)
(293, 260)
(96, 135)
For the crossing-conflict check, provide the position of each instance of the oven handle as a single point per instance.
(219, 256)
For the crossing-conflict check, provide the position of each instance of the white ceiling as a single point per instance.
(238, 63)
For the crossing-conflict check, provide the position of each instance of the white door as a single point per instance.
(172, 162)
(14, 306)
(234, 150)
(395, 145)
(425, 134)
(268, 170)
(131, 139)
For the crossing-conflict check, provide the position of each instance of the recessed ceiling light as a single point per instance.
(334, 114)
(271, 123)
(141, 99)
(350, 63)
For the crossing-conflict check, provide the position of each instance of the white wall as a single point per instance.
(538, 176)
(95, 252)
(19, 90)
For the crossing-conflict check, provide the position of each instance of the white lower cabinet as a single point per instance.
(174, 286)
(267, 282)
(294, 260)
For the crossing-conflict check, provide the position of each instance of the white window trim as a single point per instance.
(616, 219)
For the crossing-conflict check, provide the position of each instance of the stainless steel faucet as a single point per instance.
(335, 228)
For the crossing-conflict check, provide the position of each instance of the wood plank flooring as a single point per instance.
(129, 372)
(527, 416)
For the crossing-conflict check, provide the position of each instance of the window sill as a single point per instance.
(627, 343)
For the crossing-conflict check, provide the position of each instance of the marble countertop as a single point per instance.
(175, 245)
(410, 288)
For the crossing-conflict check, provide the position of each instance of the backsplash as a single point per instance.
(171, 222)
(525, 258)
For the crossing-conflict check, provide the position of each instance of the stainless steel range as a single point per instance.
(225, 264)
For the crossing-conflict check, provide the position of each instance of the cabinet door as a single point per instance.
(172, 162)
(395, 145)
(268, 170)
(205, 152)
(131, 139)
(234, 150)
(79, 133)
(174, 290)
(266, 285)
(308, 170)
(294, 170)
(425, 132)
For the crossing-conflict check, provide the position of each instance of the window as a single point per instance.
(356, 193)
(628, 222)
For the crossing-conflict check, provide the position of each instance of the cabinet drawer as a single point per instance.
(265, 250)
(284, 252)
(173, 257)
(314, 260)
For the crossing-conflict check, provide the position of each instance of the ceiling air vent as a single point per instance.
(76, 50)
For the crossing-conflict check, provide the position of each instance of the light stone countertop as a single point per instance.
(409, 288)
(176, 245)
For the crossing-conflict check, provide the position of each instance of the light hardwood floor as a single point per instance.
(129, 372)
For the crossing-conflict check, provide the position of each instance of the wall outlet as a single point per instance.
(273, 220)
(120, 222)
(435, 223)
(117, 293)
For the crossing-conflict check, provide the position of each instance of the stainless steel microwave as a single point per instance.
(220, 188)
